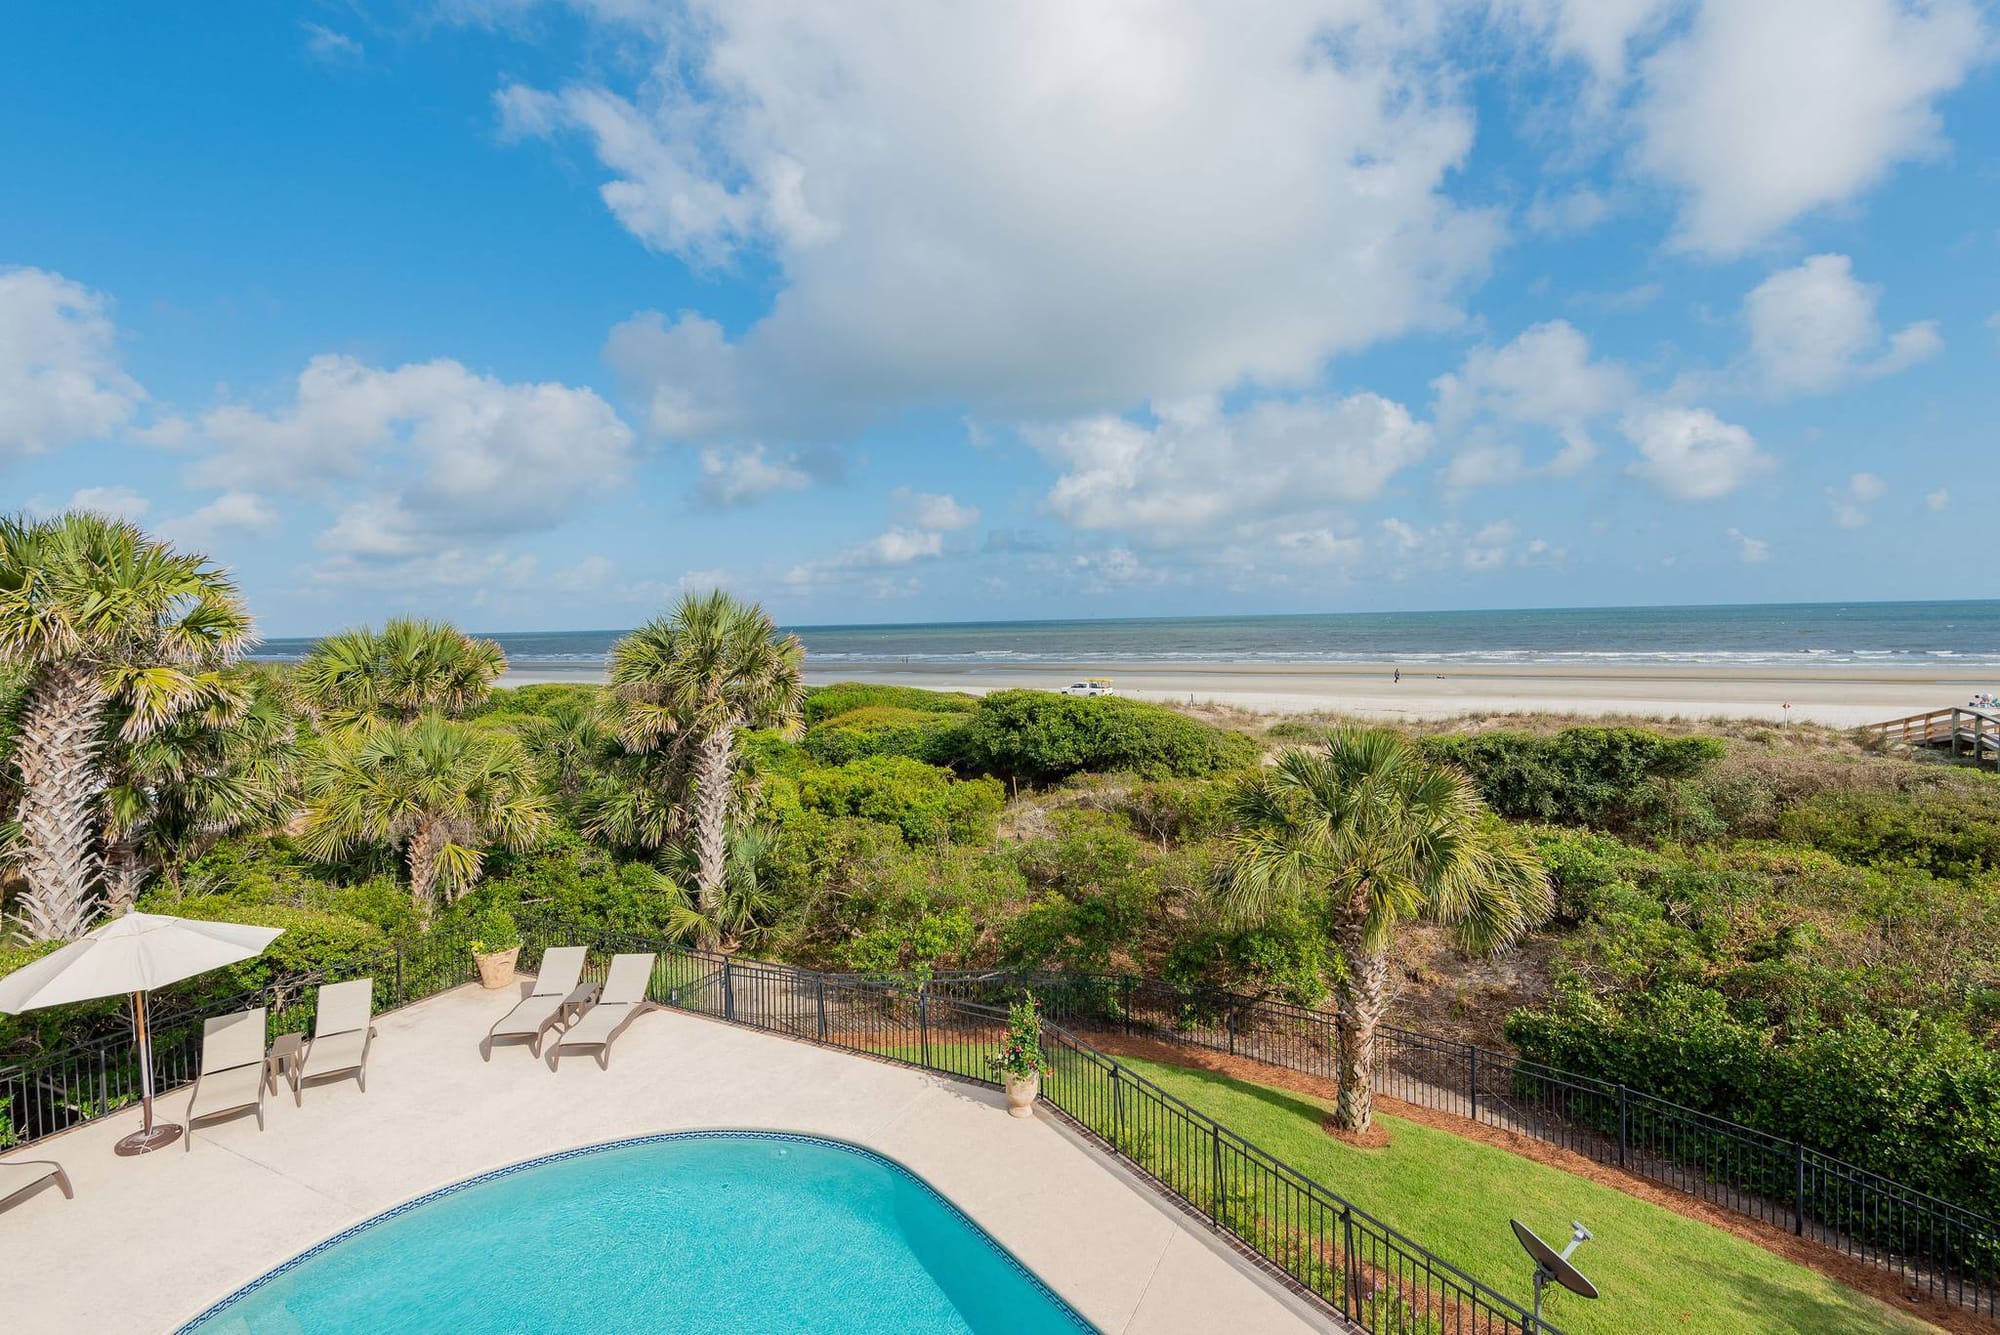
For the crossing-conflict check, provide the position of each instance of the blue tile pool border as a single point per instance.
(1062, 1304)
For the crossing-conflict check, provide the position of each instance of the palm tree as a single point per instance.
(436, 791)
(740, 913)
(406, 669)
(98, 617)
(688, 682)
(1367, 831)
(218, 769)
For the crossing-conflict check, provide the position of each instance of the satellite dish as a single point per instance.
(1552, 1266)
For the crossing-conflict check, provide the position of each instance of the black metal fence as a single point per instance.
(946, 1022)
(1325, 1246)
(1934, 1246)
(58, 1090)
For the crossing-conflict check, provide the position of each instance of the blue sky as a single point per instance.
(532, 315)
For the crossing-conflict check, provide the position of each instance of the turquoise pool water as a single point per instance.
(701, 1232)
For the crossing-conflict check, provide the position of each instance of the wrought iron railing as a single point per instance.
(1321, 1244)
(1932, 1245)
(57, 1090)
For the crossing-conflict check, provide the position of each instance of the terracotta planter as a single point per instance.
(497, 970)
(1022, 1090)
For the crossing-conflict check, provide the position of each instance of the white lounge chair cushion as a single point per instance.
(528, 1018)
(597, 1024)
(626, 981)
(335, 1052)
(218, 1091)
(19, 1176)
(560, 972)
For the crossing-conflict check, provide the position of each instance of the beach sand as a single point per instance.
(1837, 696)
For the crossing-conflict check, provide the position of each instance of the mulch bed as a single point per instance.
(1837, 1266)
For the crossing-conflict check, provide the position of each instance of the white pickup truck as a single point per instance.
(1090, 686)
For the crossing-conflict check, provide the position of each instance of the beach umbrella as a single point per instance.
(134, 953)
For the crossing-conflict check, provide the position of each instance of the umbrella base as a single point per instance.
(145, 1142)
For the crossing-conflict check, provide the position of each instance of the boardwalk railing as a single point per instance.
(1967, 730)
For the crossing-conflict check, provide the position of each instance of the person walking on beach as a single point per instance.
(1399, 676)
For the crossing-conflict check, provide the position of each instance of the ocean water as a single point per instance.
(1827, 634)
(693, 1233)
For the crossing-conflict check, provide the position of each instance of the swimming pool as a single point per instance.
(707, 1231)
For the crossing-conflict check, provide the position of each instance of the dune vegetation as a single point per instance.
(1777, 925)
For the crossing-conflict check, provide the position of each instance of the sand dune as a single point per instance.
(1841, 697)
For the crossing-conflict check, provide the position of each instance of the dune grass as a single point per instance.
(1658, 1270)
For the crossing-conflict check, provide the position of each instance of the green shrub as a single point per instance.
(511, 704)
(1286, 954)
(883, 730)
(1043, 737)
(492, 930)
(1172, 811)
(1947, 833)
(926, 803)
(824, 702)
(1095, 889)
(1915, 1098)
(1615, 778)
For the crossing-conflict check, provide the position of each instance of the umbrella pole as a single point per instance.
(148, 1137)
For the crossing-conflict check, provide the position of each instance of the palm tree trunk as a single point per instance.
(711, 815)
(56, 754)
(422, 857)
(124, 873)
(1359, 1000)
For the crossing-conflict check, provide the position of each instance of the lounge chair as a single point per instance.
(622, 1001)
(340, 1036)
(18, 1177)
(232, 1069)
(542, 1009)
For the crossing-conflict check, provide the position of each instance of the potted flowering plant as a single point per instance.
(1020, 1061)
(496, 944)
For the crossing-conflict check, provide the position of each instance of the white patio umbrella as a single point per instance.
(134, 953)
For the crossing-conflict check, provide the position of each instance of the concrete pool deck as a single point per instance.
(150, 1242)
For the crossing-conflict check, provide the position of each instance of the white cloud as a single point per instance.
(1768, 110)
(1568, 213)
(1692, 454)
(1850, 505)
(439, 453)
(929, 510)
(1199, 467)
(1751, 550)
(1597, 33)
(1487, 549)
(1939, 499)
(1544, 377)
(1813, 328)
(1321, 547)
(60, 378)
(233, 512)
(737, 477)
(1167, 200)
(886, 551)
(117, 502)
(329, 46)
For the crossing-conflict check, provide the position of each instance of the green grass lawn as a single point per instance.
(1658, 1271)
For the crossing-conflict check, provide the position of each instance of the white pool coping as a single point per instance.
(150, 1242)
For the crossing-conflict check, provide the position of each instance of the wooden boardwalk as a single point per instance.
(1964, 730)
